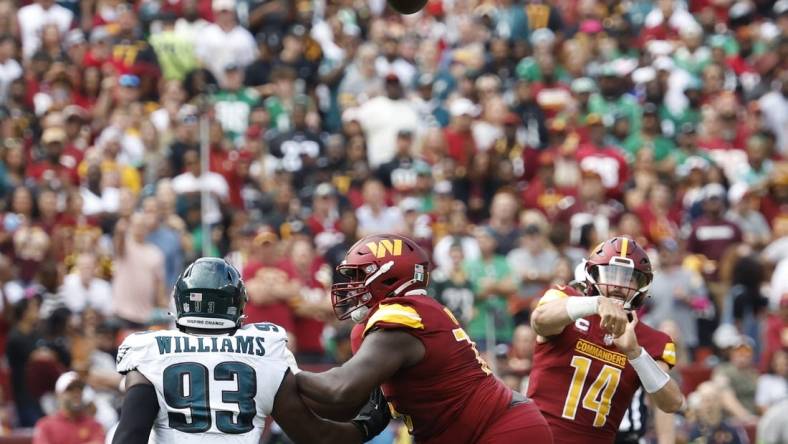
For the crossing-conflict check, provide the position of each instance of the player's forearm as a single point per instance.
(669, 398)
(551, 318)
(330, 388)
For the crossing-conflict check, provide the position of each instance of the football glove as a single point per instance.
(374, 416)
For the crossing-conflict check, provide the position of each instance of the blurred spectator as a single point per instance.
(503, 222)
(168, 233)
(22, 341)
(711, 235)
(739, 373)
(382, 117)
(678, 294)
(772, 428)
(33, 19)
(745, 304)
(193, 181)
(744, 212)
(375, 216)
(225, 42)
(138, 275)
(73, 423)
(233, 103)
(270, 285)
(82, 289)
(533, 262)
(773, 385)
(451, 286)
(492, 282)
(312, 307)
(707, 419)
(521, 353)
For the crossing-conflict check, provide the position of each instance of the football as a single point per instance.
(407, 6)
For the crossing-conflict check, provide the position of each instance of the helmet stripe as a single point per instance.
(624, 246)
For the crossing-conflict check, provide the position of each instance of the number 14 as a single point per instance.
(605, 385)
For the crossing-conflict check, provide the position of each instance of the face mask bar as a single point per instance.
(619, 275)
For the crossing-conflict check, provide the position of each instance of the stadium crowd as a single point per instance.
(507, 137)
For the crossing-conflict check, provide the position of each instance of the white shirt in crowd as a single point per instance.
(381, 119)
(387, 220)
(97, 294)
(10, 70)
(32, 18)
(213, 183)
(217, 48)
(92, 204)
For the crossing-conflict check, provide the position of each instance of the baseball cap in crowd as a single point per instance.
(692, 163)
(74, 111)
(781, 8)
(443, 188)
(650, 108)
(463, 107)
(325, 189)
(232, 66)
(593, 119)
(583, 85)
(129, 81)
(68, 380)
(53, 135)
(409, 204)
(663, 63)
(73, 38)
(714, 191)
(265, 236)
(99, 34)
(223, 5)
(351, 115)
(644, 75)
(737, 192)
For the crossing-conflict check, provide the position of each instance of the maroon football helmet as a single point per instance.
(619, 268)
(377, 267)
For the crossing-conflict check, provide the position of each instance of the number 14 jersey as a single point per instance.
(581, 382)
(212, 388)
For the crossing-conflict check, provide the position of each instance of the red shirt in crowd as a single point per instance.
(712, 238)
(279, 312)
(461, 146)
(60, 429)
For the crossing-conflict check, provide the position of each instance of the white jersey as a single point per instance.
(211, 389)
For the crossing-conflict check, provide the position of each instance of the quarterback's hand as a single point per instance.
(628, 342)
(614, 317)
(374, 416)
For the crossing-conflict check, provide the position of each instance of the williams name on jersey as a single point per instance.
(220, 386)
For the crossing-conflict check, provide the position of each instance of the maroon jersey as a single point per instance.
(582, 383)
(450, 396)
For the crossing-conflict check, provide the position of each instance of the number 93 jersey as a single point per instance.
(581, 382)
(213, 388)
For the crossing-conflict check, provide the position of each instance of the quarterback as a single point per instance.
(214, 381)
(430, 371)
(592, 354)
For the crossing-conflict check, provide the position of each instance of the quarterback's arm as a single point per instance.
(556, 310)
(382, 353)
(139, 411)
(669, 398)
(301, 425)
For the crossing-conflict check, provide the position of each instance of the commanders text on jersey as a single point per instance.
(231, 344)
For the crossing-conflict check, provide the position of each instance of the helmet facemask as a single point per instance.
(619, 279)
(354, 295)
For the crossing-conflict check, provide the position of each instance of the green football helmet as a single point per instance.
(209, 295)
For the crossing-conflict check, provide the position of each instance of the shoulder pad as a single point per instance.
(553, 294)
(134, 350)
(658, 344)
(266, 329)
(395, 316)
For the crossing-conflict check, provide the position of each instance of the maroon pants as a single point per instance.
(521, 424)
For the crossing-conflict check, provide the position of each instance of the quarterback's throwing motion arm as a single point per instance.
(380, 356)
(140, 408)
(551, 317)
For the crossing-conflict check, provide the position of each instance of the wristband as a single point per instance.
(581, 306)
(651, 376)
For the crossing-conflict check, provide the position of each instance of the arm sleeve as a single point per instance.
(139, 410)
